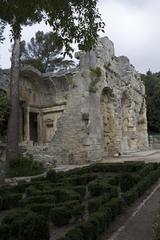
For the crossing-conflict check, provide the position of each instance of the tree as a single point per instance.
(4, 113)
(42, 53)
(2, 27)
(71, 20)
(152, 84)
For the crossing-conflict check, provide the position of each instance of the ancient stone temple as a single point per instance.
(92, 112)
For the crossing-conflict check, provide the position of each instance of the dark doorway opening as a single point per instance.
(33, 127)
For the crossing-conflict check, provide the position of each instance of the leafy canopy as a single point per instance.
(152, 84)
(4, 113)
(72, 20)
(42, 53)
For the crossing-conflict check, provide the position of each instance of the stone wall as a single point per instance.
(105, 115)
(101, 109)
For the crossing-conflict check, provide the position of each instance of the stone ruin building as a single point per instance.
(92, 112)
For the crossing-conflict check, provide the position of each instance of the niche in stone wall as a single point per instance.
(129, 134)
(108, 122)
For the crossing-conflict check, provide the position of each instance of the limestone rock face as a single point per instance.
(105, 113)
(97, 110)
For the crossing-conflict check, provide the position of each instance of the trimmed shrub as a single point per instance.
(101, 187)
(74, 234)
(52, 176)
(82, 179)
(24, 227)
(130, 196)
(63, 195)
(38, 199)
(60, 216)
(101, 220)
(118, 167)
(126, 182)
(146, 170)
(4, 232)
(9, 201)
(24, 166)
(34, 227)
(116, 206)
(63, 214)
(81, 190)
(95, 204)
(41, 208)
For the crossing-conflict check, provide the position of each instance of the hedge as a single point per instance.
(41, 208)
(101, 187)
(28, 227)
(38, 199)
(9, 201)
(62, 215)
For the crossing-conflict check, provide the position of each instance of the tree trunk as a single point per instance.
(13, 123)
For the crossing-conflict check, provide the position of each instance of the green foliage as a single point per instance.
(2, 27)
(9, 201)
(4, 113)
(24, 166)
(52, 176)
(61, 199)
(126, 182)
(24, 226)
(78, 20)
(101, 187)
(108, 92)
(60, 216)
(95, 78)
(41, 208)
(44, 53)
(116, 205)
(152, 85)
(95, 204)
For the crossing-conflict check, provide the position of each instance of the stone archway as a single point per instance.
(108, 122)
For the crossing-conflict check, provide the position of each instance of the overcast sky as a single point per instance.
(133, 26)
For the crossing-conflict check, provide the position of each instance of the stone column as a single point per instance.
(26, 124)
(40, 127)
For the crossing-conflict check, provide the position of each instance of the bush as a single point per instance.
(9, 201)
(63, 195)
(81, 190)
(146, 170)
(4, 232)
(126, 182)
(130, 196)
(117, 167)
(74, 234)
(34, 227)
(38, 199)
(24, 166)
(41, 208)
(82, 179)
(24, 226)
(52, 176)
(116, 206)
(60, 216)
(101, 187)
(95, 204)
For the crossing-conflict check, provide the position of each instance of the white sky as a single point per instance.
(133, 26)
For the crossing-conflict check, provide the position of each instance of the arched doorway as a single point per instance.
(108, 122)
